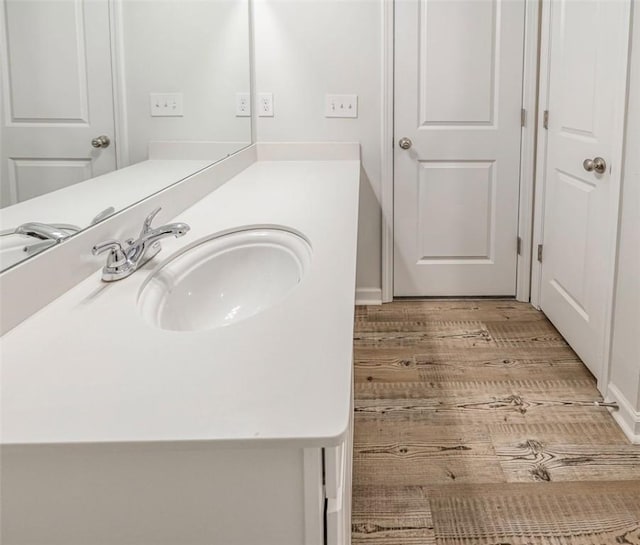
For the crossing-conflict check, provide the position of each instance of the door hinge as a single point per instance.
(519, 246)
(540, 253)
(523, 117)
(545, 119)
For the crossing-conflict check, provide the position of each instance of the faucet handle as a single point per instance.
(116, 255)
(146, 226)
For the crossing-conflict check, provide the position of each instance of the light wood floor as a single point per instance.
(474, 425)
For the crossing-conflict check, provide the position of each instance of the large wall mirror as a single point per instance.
(91, 86)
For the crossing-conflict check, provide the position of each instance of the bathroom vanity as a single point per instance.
(122, 425)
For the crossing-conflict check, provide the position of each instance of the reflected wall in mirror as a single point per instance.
(89, 86)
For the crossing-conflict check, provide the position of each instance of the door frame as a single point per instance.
(527, 148)
(540, 184)
(118, 78)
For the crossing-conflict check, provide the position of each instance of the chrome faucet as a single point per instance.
(124, 260)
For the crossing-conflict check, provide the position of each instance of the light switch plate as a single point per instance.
(341, 106)
(166, 104)
(265, 105)
(243, 104)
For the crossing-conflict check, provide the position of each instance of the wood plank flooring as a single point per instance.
(474, 424)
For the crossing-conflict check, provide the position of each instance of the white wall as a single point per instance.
(625, 364)
(305, 49)
(199, 49)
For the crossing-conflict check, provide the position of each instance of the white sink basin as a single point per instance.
(225, 279)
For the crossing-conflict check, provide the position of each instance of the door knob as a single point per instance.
(597, 163)
(405, 143)
(101, 142)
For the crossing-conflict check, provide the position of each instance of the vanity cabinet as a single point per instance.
(170, 493)
(225, 436)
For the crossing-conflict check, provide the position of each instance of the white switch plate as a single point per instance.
(265, 105)
(341, 106)
(243, 105)
(166, 104)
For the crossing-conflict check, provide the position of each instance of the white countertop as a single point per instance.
(89, 369)
(79, 203)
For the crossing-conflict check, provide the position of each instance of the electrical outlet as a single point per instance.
(341, 106)
(243, 105)
(265, 105)
(166, 104)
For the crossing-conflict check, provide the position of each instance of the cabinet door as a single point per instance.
(328, 499)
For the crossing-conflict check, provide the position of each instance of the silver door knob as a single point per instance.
(405, 143)
(102, 141)
(597, 163)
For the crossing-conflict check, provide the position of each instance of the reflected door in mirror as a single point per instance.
(57, 95)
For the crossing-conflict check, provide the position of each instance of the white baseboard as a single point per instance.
(626, 416)
(368, 296)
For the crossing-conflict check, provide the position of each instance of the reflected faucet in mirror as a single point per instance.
(33, 237)
(56, 232)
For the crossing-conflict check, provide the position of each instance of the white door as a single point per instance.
(458, 98)
(588, 49)
(57, 95)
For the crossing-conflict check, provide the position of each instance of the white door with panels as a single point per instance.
(57, 95)
(587, 72)
(458, 100)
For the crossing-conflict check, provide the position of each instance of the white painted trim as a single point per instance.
(12, 181)
(5, 96)
(252, 71)
(368, 296)
(528, 148)
(626, 416)
(386, 147)
(118, 71)
(313, 497)
(541, 155)
(7, 110)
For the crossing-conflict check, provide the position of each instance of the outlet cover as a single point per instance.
(166, 104)
(243, 105)
(265, 105)
(341, 106)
